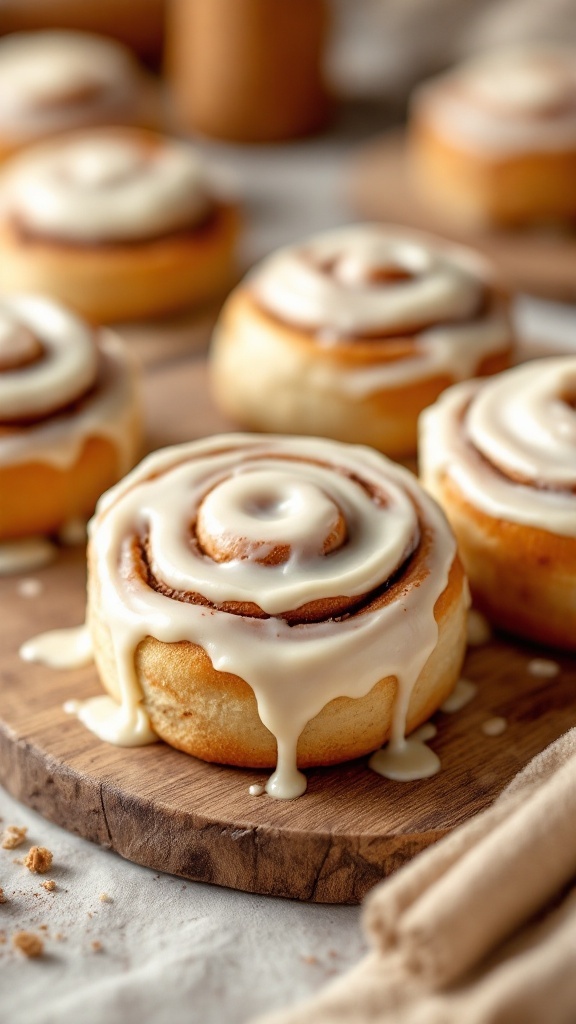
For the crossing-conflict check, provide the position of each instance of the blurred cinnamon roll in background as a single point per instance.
(493, 142)
(55, 81)
(352, 333)
(119, 223)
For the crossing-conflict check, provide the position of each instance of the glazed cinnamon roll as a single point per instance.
(352, 333)
(56, 81)
(69, 421)
(493, 142)
(500, 456)
(119, 223)
(270, 601)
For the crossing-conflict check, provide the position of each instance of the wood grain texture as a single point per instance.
(161, 808)
(531, 261)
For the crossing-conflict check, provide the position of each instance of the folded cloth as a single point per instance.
(480, 927)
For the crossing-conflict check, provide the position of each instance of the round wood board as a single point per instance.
(535, 262)
(161, 808)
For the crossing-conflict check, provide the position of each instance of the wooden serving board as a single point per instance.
(532, 261)
(161, 808)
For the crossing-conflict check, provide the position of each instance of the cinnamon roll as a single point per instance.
(69, 421)
(500, 456)
(55, 81)
(352, 333)
(271, 601)
(119, 223)
(493, 142)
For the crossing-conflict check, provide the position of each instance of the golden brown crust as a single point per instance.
(387, 419)
(213, 715)
(38, 498)
(522, 577)
(475, 189)
(108, 283)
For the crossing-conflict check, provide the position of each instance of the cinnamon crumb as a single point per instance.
(96, 946)
(60, 937)
(310, 959)
(105, 898)
(13, 836)
(3, 897)
(28, 943)
(38, 859)
(49, 885)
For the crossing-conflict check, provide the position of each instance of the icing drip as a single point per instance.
(112, 185)
(56, 80)
(543, 668)
(506, 102)
(30, 588)
(294, 668)
(380, 283)
(409, 760)
(60, 648)
(494, 726)
(24, 555)
(509, 444)
(462, 694)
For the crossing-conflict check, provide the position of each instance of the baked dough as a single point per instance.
(57, 81)
(69, 416)
(256, 601)
(352, 333)
(500, 457)
(493, 142)
(120, 224)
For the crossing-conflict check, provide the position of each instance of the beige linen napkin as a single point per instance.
(481, 927)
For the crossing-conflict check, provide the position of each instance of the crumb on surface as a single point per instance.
(38, 859)
(97, 946)
(310, 959)
(49, 885)
(3, 897)
(28, 943)
(105, 898)
(13, 836)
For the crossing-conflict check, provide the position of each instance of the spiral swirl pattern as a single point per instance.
(510, 443)
(55, 80)
(48, 358)
(113, 185)
(300, 549)
(508, 101)
(376, 283)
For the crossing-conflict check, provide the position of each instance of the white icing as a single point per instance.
(67, 366)
(294, 670)
(107, 185)
(107, 412)
(543, 668)
(256, 789)
(494, 726)
(519, 422)
(30, 588)
(60, 648)
(506, 102)
(55, 80)
(438, 306)
(406, 761)
(478, 629)
(462, 694)
(23, 555)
